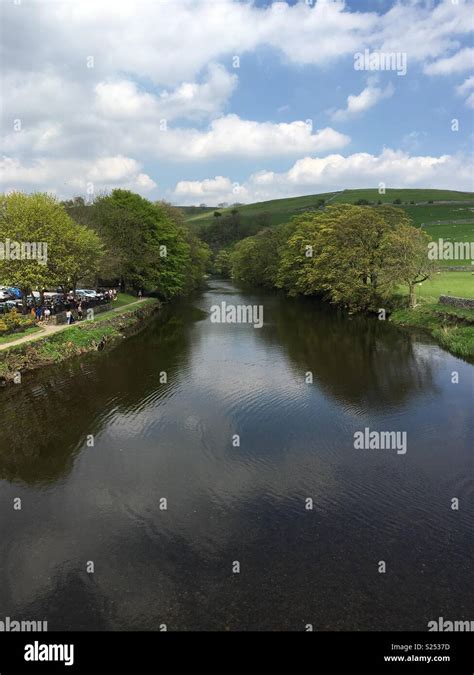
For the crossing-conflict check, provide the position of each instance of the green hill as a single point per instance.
(446, 214)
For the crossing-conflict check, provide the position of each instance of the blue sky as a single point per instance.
(147, 96)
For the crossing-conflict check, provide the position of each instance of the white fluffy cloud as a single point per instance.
(457, 63)
(311, 175)
(140, 37)
(465, 88)
(359, 103)
(53, 175)
(95, 79)
(122, 99)
(233, 137)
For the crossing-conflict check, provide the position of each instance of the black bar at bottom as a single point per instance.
(107, 652)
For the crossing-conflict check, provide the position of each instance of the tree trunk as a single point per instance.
(24, 300)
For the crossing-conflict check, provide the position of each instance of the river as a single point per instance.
(143, 477)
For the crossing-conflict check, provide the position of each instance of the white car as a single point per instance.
(87, 293)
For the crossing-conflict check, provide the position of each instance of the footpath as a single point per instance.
(50, 330)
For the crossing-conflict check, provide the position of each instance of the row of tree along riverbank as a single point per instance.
(120, 239)
(357, 257)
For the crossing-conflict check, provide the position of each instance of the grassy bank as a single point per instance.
(11, 337)
(460, 284)
(123, 299)
(453, 328)
(74, 340)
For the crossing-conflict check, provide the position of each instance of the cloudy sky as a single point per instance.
(204, 101)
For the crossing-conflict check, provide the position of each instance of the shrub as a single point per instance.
(12, 319)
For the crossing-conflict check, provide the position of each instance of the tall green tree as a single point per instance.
(254, 260)
(33, 219)
(81, 253)
(406, 258)
(339, 253)
(147, 244)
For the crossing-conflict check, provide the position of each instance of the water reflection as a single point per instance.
(357, 360)
(45, 421)
(247, 503)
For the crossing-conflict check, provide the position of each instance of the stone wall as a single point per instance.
(461, 303)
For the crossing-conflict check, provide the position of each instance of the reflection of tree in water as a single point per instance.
(46, 419)
(357, 360)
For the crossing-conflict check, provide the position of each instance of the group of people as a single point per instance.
(43, 312)
(74, 307)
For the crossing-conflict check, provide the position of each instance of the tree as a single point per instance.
(339, 253)
(255, 260)
(80, 258)
(34, 220)
(406, 257)
(145, 247)
(222, 264)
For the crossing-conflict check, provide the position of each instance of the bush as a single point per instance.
(11, 321)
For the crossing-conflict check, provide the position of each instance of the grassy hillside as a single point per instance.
(450, 216)
(279, 210)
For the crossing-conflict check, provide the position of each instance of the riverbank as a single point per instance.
(452, 327)
(64, 342)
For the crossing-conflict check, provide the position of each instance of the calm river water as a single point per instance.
(173, 441)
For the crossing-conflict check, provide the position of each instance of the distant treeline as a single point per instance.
(354, 256)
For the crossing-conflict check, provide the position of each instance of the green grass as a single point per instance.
(279, 210)
(16, 336)
(450, 221)
(123, 299)
(106, 315)
(406, 195)
(460, 284)
(73, 340)
(453, 328)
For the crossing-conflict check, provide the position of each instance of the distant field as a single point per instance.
(405, 195)
(450, 221)
(280, 210)
(460, 284)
